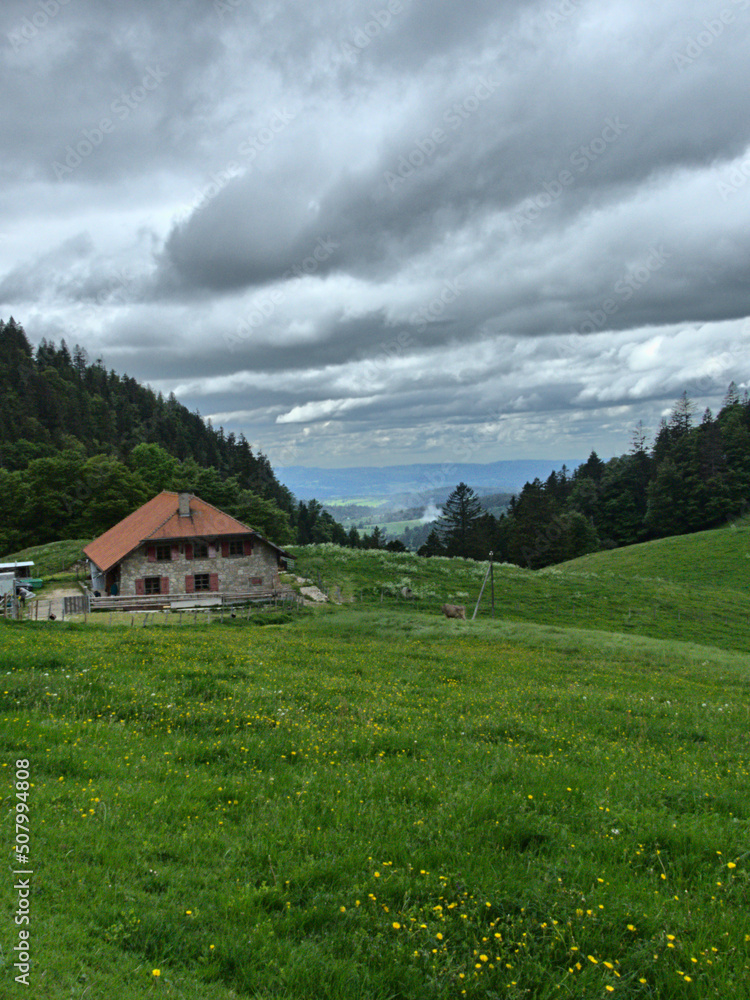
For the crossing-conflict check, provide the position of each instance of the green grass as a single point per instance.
(363, 501)
(364, 802)
(719, 558)
(370, 801)
(54, 557)
(565, 596)
(391, 528)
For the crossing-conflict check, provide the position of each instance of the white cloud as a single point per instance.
(562, 251)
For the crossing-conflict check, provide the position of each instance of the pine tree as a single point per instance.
(433, 546)
(460, 512)
(638, 439)
(682, 415)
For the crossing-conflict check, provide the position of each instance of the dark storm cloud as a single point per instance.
(121, 80)
(572, 127)
(390, 220)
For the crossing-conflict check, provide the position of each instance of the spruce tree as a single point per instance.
(460, 512)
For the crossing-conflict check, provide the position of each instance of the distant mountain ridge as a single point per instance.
(430, 482)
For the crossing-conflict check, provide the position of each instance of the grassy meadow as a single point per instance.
(52, 558)
(369, 801)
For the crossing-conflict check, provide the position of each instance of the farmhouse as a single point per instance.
(179, 544)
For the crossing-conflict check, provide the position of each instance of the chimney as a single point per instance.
(184, 504)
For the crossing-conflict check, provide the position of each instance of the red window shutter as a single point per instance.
(164, 585)
(189, 584)
(140, 587)
(151, 553)
(188, 550)
(213, 581)
(225, 548)
(175, 552)
(247, 548)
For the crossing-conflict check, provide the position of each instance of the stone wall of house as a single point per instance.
(236, 573)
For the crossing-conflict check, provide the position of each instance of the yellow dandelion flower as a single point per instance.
(731, 864)
(156, 972)
(396, 925)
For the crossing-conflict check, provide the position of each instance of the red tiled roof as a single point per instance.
(159, 519)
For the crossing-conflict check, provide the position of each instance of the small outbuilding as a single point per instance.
(16, 574)
(179, 544)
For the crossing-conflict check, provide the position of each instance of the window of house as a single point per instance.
(152, 585)
(200, 550)
(163, 553)
(235, 547)
(202, 581)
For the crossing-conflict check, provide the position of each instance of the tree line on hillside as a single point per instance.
(81, 447)
(693, 477)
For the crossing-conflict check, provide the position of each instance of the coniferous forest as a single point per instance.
(81, 447)
(694, 476)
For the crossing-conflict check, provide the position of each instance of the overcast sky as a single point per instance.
(386, 231)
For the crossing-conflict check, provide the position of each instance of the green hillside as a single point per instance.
(718, 558)
(54, 557)
(376, 803)
(367, 800)
(634, 601)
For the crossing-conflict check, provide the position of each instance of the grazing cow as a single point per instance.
(454, 611)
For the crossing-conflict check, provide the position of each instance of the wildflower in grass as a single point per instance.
(731, 864)
(591, 958)
(396, 925)
(156, 972)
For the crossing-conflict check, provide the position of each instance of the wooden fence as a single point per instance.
(190, 602)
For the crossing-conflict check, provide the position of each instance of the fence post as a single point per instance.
(484, 583)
